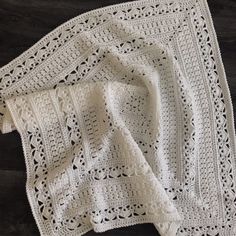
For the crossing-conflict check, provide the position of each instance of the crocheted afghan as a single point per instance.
(125, 118)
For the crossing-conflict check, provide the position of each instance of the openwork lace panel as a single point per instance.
(125, 118)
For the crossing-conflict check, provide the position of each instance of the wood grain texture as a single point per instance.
(22, 23)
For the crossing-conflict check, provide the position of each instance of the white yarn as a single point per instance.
(125, 118)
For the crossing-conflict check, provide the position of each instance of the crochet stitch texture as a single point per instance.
(125, 117)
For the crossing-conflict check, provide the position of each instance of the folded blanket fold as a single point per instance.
(94, 172)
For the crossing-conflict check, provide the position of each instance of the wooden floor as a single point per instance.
(23, 23)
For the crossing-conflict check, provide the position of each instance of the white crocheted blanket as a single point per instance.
(125, 118)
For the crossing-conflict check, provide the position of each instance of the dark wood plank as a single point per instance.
(22, 23)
